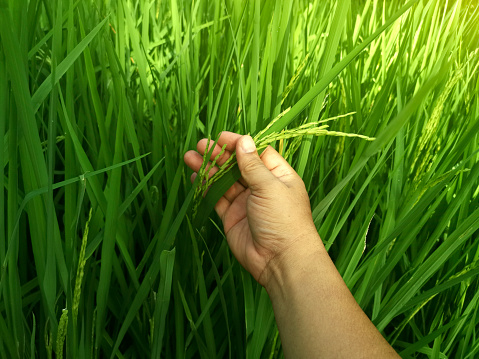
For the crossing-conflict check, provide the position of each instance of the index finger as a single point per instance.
(226, 137)
(230, 139)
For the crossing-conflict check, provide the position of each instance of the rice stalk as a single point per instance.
(80, 270)
(61, 333)
(429, 145)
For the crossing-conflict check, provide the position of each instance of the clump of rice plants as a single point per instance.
(99, 101)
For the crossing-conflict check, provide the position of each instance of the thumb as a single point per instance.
(253, 170)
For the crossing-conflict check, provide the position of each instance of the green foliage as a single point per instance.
(99, 100)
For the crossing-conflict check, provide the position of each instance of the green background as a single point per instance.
(99, 100)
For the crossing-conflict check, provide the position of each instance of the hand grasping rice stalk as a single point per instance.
(262, 141)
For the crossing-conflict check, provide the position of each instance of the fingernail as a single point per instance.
(247, 145)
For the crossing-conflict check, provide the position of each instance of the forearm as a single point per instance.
(316, 314)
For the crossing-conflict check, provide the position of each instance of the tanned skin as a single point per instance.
(269, 227)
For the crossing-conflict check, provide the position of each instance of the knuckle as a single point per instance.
(266, 151)
(250, 166)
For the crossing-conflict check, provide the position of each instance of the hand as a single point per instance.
(266, 214)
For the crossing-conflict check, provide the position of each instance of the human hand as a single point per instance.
(266, 214)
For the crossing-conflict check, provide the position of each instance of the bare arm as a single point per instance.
(268, 224)
(316, 314)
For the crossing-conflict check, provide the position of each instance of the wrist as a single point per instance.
(293, 265)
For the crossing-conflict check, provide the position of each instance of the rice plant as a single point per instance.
(101, 254)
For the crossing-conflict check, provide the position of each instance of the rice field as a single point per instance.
(102, 255)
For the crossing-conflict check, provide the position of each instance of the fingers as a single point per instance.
(273, 161)
(256, 170)
(201, 148)
(230, 201)
(232, 213)
(234, 191)
(228, 138)
(194, 161)
(221, 207)
(278, 166)
(253, 169)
